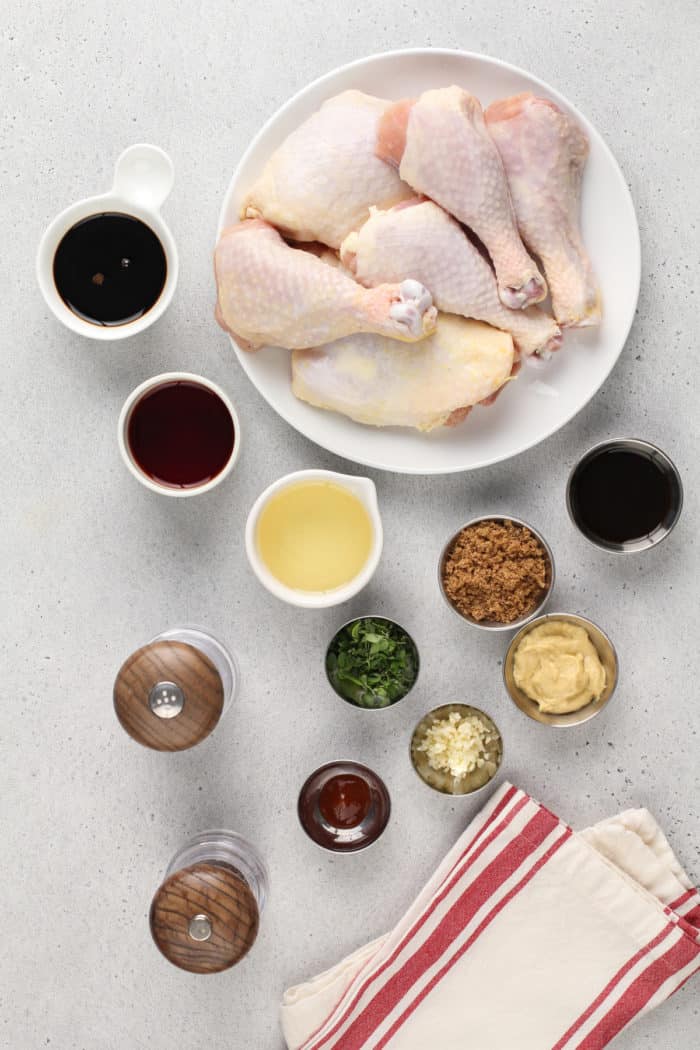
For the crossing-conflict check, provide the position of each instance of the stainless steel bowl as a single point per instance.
(387, 619)
(491, 625)
(419, 760)
(608, 658)
(343, 840)
(667, 467)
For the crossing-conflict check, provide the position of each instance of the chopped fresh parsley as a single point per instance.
(372, 662)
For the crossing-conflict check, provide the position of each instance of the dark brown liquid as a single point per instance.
(110, 269)
(181, 434)
(344, 800)
(344, 806)
(619, 496)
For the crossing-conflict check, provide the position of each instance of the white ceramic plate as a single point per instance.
(544, 398)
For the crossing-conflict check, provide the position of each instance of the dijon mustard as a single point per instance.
(557, 666)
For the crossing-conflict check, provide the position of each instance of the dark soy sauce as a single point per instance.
(110, 269)
(618, 496)
(180, 434)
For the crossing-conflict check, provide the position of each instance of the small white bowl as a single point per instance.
(365, 491)
(143, 179)
(123, 426)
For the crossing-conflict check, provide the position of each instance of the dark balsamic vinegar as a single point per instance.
(181, 434)
(619, 496)
(110, 269)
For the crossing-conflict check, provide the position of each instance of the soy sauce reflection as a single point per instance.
(625, 495)
(110, 269)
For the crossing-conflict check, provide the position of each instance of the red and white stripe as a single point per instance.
(686, 901)
(688, 906)
(487, 826)
(692, 917)
(494, 821)
(512, 886)
(493, 864)
(653, 978)
(614, 990)
(507, 851)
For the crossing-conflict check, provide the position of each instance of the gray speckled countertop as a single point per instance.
(95, 565)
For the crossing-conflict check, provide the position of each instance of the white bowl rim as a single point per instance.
(329, 443)
(59, 227)
(150, 384)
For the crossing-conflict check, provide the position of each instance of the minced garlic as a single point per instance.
(457, 745)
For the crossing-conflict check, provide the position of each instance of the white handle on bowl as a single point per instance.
(144, 175)
(363, 488)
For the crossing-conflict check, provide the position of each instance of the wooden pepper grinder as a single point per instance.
(205, 916)
(170, 694)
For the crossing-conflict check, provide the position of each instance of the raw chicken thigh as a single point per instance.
(442, 149)
(419, 239)
(389, 208)
(544, 153)
(384, 383)
(320, 183)
(269, 293)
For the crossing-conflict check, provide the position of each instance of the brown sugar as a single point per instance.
(495, 570)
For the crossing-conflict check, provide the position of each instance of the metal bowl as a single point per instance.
(387, 619)
(665, 465)
(419, 759)
(492, 625)
(608, 657)
(343, 840)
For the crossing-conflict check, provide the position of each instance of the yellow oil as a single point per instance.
(314, 536)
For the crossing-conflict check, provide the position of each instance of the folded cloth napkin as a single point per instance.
(528, 937)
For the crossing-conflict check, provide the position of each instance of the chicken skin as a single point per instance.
(419, 239)
(382, 383)
(320, 183)
(441, 147)
(544, 153)
(271, 294)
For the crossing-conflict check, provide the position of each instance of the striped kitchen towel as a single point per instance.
(528, 937)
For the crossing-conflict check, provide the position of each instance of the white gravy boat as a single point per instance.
(143, 179)
(364, 489)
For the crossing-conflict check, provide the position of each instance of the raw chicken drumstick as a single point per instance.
(419, 239)
(271, 294)
(544, 153)
(442, 148)
(321, 181)
(384, 383)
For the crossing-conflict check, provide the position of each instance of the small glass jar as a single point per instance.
(171, 693)
(205, 916)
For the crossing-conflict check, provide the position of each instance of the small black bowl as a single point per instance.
(666, 468)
